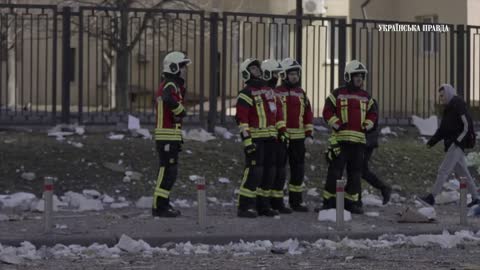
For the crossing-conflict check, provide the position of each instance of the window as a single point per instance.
(430, 40)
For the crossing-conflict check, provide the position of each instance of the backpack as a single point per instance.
(471, 137)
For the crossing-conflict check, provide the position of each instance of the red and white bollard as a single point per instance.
(463, 201)
(340, 202)
(202, 202)
(48, 207)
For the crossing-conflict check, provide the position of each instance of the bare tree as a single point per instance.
(116, 53)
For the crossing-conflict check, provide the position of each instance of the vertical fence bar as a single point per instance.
(212, 114)
(80, 66)
(54, 64)
(224, 70)
(299, 31)
(202, 69)
(66, 62)
(460, 60)
(467, 91)
(342, 49)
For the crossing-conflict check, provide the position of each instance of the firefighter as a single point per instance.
(272, 72)
(350, 111)
(298, 115)
(168, 131)
(257, 116)
(371, 143)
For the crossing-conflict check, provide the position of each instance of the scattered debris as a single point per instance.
(223, 180)
(114, 167)
(199, 135)
(116, 137)
(223, 132)
(331, 215)
(119, 205)
(410, 215)
(372, 214)
(29, 176)
(144, 202)
(426, 127)
(134, 175)
(312, 192)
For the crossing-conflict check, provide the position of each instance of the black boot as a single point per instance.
(165, 212)
(329, 203)
(164, 209)
(264, 208)
(386, 193)
(296, 202)
(473, 202)
(277, 204)
(429, 199)
(353, 207)
(247, 213)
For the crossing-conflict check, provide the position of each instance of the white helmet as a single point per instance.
(244, 67)
(270, 66)
(289, 64)
(173, 60)
(352, 67)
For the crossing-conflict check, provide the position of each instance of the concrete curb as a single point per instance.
(112, 239)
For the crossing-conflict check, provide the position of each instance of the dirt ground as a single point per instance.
(402, 160)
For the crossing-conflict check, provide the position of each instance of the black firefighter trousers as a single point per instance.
(351, 156)
(295, 153)
(167, 174)
(258, 176)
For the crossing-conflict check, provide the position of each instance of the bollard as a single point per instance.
(340, 197)
(463, 201)
(202, 202)
(48, 198)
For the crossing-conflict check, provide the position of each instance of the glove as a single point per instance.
(250, 149)
(338, 127)
(178, 118)
(309, 140)
(283, 137)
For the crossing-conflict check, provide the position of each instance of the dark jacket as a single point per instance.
(452, 129)
(372, 135)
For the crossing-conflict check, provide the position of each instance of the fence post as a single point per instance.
(48, 207)
(66, 64)
(460, 60)
(340, 203)
(463, 201)
(212, 113)
(299, 30)
(201, 202)
(342, 49)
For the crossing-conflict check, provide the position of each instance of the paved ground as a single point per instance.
(84, 228)
(223, 227)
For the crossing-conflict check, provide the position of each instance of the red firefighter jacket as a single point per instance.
(169, 110)
(259, 114)
(350, 113)
(297, 111)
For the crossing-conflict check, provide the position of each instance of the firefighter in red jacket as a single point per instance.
(298, 115)
(259, 122)
(272, 71)
(350, 112)
(168, 131)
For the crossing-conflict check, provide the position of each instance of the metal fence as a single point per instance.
(96, 65)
